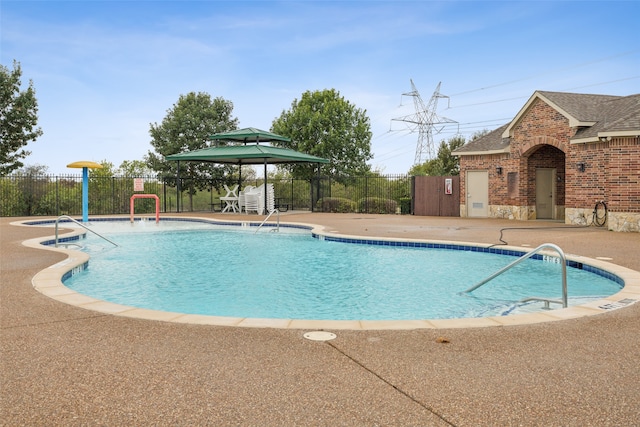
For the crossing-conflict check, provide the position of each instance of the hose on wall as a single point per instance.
(600, 214)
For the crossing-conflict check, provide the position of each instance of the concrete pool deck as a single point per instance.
(64, 365)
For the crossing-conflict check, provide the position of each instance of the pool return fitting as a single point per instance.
(563, 260)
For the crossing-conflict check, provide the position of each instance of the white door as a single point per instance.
(545, 193)
(477, 194)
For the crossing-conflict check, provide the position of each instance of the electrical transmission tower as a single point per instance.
(424, 121)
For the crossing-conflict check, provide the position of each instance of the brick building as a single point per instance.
(561, 155)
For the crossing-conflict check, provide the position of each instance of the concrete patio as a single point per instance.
(64, 365)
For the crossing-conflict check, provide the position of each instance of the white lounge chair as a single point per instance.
(241, 198)
(270, 198)
(254, 200)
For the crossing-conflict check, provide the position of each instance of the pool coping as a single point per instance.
(49, 282)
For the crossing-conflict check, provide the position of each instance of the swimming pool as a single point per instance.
(198, 268)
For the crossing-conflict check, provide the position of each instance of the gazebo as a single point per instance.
(250, 153)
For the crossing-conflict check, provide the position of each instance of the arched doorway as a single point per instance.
(546, 189)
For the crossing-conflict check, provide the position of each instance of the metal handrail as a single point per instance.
(269, 216)
(526, 256)
(81, 225)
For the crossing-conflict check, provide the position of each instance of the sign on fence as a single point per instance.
(138, 184)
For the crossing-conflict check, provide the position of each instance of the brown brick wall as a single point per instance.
(623, 173)
(541, 124)
(612, 174)
(585, 188)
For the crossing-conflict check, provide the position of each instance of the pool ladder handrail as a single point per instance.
(526, 256)
(269, 216)
(81, 225)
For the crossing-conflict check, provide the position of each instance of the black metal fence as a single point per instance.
(54, 195)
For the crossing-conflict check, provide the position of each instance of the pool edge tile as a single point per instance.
(325, 324)
(107, 307)
(202, 319)
(397, 324)
(523, 319)
(475, 322)
(144, 313)
(256, 322)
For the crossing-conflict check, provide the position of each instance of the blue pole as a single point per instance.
(85, 194)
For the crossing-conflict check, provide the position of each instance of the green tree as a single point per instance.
(187, 127)
(18, 118)
(445, 163)
(134, 168)
(13, 203)
(324, 124)
(33, 170)
(33, 182)
(62, 198)
(101, 189)
(479, 134)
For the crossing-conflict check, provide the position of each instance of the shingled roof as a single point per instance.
(581, 108)
(595, 117)
(491, 143)
(616, 117)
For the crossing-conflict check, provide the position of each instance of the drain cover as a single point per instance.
(319, 336)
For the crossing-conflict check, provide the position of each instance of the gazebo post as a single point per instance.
(265, 186)
(239, 177)
(178, 189)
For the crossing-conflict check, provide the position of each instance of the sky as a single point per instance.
(104, 71)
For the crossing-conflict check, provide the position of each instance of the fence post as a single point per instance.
(164, 192)
(57, 196)
(292, 208)
(366, 194)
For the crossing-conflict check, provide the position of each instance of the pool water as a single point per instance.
(233, 271)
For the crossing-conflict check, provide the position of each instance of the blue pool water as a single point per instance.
(200, 268)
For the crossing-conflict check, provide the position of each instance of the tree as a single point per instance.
(445, 163)
(18, 118)
(13, 203)
(33, 183)
(187, 127)
(134, 168)
(479, 134)
(324, 124)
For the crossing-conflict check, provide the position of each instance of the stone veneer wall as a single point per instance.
(616, 221)
(520, 213)
(624, 221)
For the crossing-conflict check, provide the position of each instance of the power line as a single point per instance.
(604, 83)
(495, 101)
(491, 102)
(584, 64)
(458, 130)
